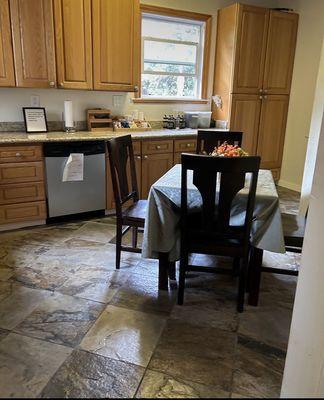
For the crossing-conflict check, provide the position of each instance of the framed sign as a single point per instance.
(35, 119)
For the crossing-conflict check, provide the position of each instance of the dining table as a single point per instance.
(161, 239)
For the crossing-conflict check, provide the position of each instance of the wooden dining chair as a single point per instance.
(208, 140)
(209, 230)
(293, 230)
(124, 181)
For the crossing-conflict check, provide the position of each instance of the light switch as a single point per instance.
(34, 100)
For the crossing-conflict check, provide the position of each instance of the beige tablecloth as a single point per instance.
(162, 230)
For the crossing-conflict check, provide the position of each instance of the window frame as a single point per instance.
(205, 57)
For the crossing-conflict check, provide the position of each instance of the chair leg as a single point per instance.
(172, 271)
(182, 278)
(242, 284)
(134, 237)
(236, 266)
(119, 236)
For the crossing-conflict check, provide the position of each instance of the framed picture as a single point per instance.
(35, 119)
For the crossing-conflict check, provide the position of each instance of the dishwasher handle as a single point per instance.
(64, 149)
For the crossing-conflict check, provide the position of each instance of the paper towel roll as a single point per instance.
(68, 114)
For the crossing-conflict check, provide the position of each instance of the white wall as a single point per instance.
(304, 369)
(314, 134)
(13, 99)
(308, 51)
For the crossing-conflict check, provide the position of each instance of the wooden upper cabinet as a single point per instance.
(272, 130)
(250, 49)
(73, 39)
(33, 38)
(116, 44)
(280, 52)
(7, 74)
(245, 117)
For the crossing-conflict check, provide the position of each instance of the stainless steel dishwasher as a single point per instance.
(69, 198)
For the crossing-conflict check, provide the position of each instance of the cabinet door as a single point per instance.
(116, 42)
(280, 52)
(33, 38)
(73, 43)
(153, 167)
(245, 117)
(250, 49)
(272, 130)
(7, 75)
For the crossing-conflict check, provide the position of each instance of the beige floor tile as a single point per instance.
(258, 369)
(208, 308)
(21, 302)
(158, 385)
(124, 335)
(61, 319)
(195, 353)
(268, 324)
(95, 231)
(94, 284)
(140, 292)
(27, 364)
(87, 375)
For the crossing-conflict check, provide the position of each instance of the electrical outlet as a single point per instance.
(35, 100)
(117, 100)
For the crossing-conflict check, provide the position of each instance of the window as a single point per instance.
(173, 55)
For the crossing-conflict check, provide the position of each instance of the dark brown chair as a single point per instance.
(208, 140)
(123, 176)
(209, 230)
(293, 230)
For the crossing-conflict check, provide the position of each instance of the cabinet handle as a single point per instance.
(52, 84)
(188, 144)
(138, 157)
(265, 97)
(145, 157)
(260, 90)
(260, 97)
(265, 91)
(61, 84)
(135, 88)
(18, 155)
(157, 147)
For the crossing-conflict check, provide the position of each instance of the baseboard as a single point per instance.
(19, 225)
(289, 185)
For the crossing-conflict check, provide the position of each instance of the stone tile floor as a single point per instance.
(73, 326)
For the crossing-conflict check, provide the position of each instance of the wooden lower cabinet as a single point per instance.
(21, 153)
(153, 167)
(22, 192)
(21, 172)
(15, 213)
(22, 186)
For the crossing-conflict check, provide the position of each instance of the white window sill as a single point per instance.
(169, 100)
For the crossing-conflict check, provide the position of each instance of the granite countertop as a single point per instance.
(22, 137)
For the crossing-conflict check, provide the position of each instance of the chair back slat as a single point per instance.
(218, 180)
(208, 140)
(123, 171)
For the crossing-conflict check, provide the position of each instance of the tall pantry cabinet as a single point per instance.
(253, 70)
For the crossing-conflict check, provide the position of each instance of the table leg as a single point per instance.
(255, 266)
(163, 271)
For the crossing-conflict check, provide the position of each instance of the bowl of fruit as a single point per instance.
(228, 150)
